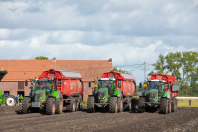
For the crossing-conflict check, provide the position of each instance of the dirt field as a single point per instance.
(186, 119)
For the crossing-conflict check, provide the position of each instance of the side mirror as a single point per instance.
(119, 84)
(26, 83)
(140, 85)
(89, 84)
(168, 86)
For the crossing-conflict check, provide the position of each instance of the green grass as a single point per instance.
(185, 103)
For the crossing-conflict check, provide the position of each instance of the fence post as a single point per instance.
(189, 102)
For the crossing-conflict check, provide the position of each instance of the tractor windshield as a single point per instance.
(155, 85)
(106, 84)
(43, 84)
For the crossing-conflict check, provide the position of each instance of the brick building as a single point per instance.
(21, 70)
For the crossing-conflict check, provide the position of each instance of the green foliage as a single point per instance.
(41, 58)
(6, 71)
(183, 66)
(121, 70)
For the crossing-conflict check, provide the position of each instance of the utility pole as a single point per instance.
(145, 70)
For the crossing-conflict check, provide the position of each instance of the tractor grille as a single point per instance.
(152, 94)
(101, 93)
(37, 95)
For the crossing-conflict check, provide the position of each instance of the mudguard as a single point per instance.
(56, 94)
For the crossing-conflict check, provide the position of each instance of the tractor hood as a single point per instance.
(103, 93)
(38, 95)
(153, 95)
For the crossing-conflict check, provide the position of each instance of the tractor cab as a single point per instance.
(43, 84)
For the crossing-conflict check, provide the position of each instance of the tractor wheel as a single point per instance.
(50, 106)
(120, 103)
(132, 103)
(90, 104)
(164, 103)
(113, 105)
(72, 106)
(141, 107)
(79, 104)
(59, 105)
(26, 105)
(10, 101)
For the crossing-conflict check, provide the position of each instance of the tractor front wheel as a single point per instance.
(90, 104)
(113, 105)
(164, 103)
(26, 105)
(50, 106)
(141, 107)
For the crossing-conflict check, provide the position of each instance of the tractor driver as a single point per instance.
(45, 87)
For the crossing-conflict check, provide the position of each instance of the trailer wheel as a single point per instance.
(50, 106)
(90, 104)
(141, 107)
(164, 103)
(120, 102)
(72, 106)
(59, 105)
(10, 101)
(79, 104)
(113, 105)
(25, 105)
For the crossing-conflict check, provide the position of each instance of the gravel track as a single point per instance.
(186, 119)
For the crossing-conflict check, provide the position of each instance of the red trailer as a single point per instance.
(71, 85)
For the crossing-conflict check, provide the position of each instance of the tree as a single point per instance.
(41, 58)
(121, 70)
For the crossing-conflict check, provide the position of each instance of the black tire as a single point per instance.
(132, 103)
(164, 105)
(120, 103)
(50, 106)
(79, 104)
(26, 105)
(90, 104)
(113, 105)
(72, 106)
(59, 105)
(10, 101)
(141, 107)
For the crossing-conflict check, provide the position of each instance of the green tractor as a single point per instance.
(43, 95)
(8, 100)
(105, 95)
(157, 93)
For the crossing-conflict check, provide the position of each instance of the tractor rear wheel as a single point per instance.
(59, 105)
(10, 101)
(132, 103)
(50, 106)
(72, 106)
(26, 105)
(164, 103)
(141, 107)
(113, 105)
(90, 104)
(120, 102)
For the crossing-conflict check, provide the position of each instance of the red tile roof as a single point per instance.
(20, 70)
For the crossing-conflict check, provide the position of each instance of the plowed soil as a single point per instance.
(186, 119)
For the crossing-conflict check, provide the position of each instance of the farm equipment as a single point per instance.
(8, 100)
(113, 90)
(53, 90)
(160, 91)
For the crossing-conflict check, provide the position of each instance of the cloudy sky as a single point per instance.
(129, 31)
